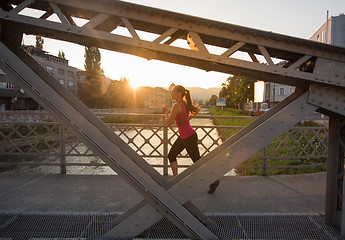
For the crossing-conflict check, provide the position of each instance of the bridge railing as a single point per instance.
(35, 143)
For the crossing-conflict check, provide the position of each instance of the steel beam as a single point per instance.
(211, 167)
(329, 98)
(197, 30)
(78, 124)
(166, 199)
(334, 208)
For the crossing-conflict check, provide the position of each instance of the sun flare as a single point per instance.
(134, 84)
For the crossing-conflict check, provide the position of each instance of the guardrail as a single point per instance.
(33, 141)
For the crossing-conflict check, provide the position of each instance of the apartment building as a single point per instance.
(12, 97)
(266, 95)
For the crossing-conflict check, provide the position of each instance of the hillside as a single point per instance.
(202, 93)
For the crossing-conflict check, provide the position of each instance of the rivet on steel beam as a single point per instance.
(320, 103)
(336, 107)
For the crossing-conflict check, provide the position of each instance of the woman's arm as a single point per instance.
(170, 118)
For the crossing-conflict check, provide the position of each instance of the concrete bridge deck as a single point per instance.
(283, 201)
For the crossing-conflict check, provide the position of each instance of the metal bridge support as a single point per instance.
(334, 213)
(171, 199)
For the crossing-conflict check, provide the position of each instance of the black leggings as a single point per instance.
(190, 144)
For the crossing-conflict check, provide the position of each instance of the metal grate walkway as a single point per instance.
(236, 226)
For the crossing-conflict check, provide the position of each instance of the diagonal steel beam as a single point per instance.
(78, 124)
(214, 153)
(93, 119)
(228, 156)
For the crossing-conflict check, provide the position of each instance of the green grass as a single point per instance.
(307, 139)
(227, 133)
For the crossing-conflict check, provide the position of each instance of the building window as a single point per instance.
(1, 72)
(50, 69)
(70, 83)
(61, 71)
(291, 90)
(70, 74)
(6, 85)
(281, 91)
(61, 81)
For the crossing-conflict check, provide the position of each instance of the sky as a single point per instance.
(298, 18)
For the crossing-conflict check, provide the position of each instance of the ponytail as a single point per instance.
(190, 107)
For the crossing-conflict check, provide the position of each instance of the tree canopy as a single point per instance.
(62, 55)
(237, 90)
(39, 42)
(100, 92)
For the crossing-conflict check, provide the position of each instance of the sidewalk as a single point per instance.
(69, 193)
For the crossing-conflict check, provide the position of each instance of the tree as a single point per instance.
(92, 93)
(237, 90)
(39, 42)
(61, 55)
(213, 101)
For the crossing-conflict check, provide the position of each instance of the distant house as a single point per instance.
(154, 98)
(266, 94)
(12, 97)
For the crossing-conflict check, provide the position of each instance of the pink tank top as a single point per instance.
(182, 122)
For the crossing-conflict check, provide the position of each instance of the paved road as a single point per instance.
(68, 193)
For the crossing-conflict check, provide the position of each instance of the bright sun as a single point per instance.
(134, 84)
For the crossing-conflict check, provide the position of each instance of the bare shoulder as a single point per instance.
(177, 108)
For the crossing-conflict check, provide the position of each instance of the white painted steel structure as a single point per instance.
(317, 70)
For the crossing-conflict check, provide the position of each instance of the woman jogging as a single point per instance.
(181, 112)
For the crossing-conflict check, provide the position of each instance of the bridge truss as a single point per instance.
(317, 70)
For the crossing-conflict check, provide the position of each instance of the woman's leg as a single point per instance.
(173, 166)
(191, 144)
(176, 148)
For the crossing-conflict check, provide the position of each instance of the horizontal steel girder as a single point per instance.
(104, 16)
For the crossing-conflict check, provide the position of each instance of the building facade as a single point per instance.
(12, 97)
(154, 98)
(332, 31)
(269, 94)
